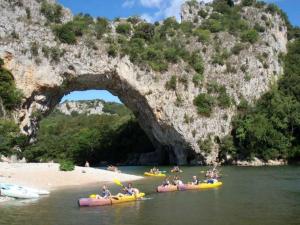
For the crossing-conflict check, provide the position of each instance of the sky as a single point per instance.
(151, 10)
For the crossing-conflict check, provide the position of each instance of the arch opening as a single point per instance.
(92, 126)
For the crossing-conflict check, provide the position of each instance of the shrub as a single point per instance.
(227, 146)
(247, 77)
(237, 48)
(172, 83)
(203, 35)
(9, 94)
(144, 31)
(250, 36)
(10, 136)
(66, 165)
(204, 104)
(65, 33)
(56, 53)
(196, 62)
(1, 62)
(259, 28)
(112, 50)
(101, 27)
(205, 145)
(248, 2)
(34, 48)
(224, 100)
(28, 13)
(187, 27)
(124, 28)
(134, 19)
(197, 79)
(52, 12)
(202, 13)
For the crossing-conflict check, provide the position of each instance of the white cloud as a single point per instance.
(128, 3)
(166, 8)
(152, 3)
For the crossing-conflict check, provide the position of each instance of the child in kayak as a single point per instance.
(105, 193)
(195, 180)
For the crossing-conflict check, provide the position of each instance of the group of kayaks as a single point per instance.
(92, 200)
(20, 192)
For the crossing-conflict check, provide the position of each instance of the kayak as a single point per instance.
(185, 187)
(110, 201)
(154, 174)
(202, 186)
(167, 188)
(18, 193)
(13, 186)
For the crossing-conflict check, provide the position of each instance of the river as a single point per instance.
(249, 196)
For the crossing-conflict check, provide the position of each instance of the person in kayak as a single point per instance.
(154, 170)
(166, 182)
(105, 193)
(129, 190)
(176, 169)
(195, 180)
(177, 181)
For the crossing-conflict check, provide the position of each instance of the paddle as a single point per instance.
(118, 182)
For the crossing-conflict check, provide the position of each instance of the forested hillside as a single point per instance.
(271, 128)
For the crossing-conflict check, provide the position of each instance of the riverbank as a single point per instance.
(48, 176)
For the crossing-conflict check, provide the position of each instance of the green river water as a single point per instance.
(249, 196)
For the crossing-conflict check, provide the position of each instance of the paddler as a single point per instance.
(166, 182)
(129, 190)
(177, 181)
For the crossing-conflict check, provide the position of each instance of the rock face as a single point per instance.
(44, 82)
(93, 107)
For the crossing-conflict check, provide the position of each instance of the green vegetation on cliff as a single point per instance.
(94, 138)
(10, 97)
(271, 128)
(9, 94)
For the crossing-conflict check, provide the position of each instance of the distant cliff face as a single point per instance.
(184, 107)
(93, 107)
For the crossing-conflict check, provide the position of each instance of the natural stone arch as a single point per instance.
(169, 117)
(120, 78)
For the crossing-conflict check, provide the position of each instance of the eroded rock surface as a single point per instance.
(158, 110)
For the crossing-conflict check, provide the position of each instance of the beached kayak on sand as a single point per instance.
(110, 201)
(18, 193)
(185, 187)
(154, 174)
(28, 189)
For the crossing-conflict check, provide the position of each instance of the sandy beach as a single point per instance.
(48, 176)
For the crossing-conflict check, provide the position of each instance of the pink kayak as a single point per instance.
(184, 187)
(94, 202)
(170, 188)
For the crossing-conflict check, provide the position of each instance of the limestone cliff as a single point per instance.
(168, 116)
(92, 107)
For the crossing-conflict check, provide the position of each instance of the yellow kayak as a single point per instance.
(126, 198)
(120, 198)
(203, 186)
(154, 174)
